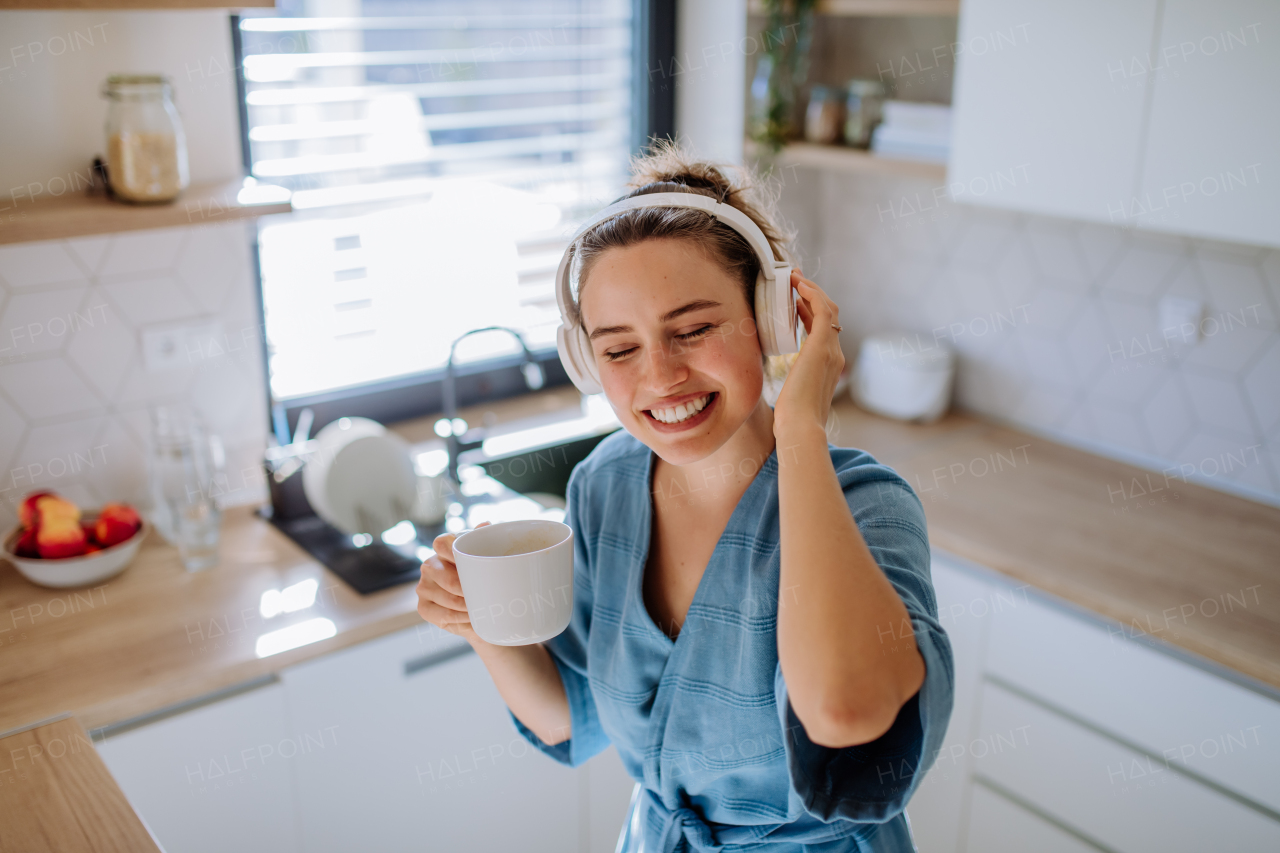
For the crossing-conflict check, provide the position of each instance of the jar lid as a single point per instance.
(137, 80)
(135, 84)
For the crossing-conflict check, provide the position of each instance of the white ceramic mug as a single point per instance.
(517, 578)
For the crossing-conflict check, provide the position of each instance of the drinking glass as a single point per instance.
(184, 473)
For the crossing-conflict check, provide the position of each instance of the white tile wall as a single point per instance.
(1084, 360)
(74, 392)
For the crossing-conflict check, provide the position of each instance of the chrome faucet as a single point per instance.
(453, 429)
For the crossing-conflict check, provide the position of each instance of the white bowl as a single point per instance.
(75, 571)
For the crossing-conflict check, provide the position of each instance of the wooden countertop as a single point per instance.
(60, 798)
(1061, 519)
(1168, 559)
(156, 635)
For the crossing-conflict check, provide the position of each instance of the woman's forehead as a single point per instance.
(653, 282)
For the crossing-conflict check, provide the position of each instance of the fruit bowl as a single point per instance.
(75, 571)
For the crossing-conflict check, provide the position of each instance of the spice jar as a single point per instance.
(862, 111)
(146, 148)
(825, 115)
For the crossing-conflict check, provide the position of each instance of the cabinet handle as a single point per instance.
(416, 665)
(111, 729)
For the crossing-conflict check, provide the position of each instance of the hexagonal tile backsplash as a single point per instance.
(74, 389)
(1056, 322)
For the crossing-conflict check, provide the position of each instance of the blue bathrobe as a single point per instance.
(703, 722)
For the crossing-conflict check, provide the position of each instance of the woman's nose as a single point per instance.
(666, 367)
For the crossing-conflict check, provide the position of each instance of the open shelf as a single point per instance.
(844, 159)
(80, 215)
(874, 8)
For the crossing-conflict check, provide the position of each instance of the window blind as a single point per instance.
(440, 155)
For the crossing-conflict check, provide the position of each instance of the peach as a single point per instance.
(50, 507)
(60, 537)
(116, 523)
(27, 511)
(26, 544)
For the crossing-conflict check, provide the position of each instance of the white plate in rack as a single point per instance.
(361, 477)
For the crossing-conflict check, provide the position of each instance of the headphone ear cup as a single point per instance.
(776, 318)
(764, 315)
(578, 365)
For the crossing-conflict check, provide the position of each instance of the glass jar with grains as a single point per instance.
(146, 148)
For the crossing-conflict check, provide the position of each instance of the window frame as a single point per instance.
(419, 394)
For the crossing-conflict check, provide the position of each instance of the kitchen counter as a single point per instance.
(1154, 553)
(1170, 560)
(59, 796)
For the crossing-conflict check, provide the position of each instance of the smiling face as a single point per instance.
(670, 327)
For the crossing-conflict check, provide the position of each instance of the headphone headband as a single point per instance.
(726, 213)
(774, 297)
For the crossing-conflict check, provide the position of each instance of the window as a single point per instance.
(440, 155)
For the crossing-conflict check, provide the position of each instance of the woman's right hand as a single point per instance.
(440, 599)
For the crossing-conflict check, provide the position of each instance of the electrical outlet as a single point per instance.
(176, 346)
(1180, 318)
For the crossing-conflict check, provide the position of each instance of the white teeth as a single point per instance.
(682, 412)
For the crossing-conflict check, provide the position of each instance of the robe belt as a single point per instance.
(684, 822)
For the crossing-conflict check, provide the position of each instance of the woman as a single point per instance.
(754, 626)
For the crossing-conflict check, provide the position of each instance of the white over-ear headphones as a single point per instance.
(775, 308)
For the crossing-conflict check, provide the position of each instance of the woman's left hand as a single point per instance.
(806, 393)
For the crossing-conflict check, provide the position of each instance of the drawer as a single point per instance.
(999, 825)
(1218, 730)
(1124, 800)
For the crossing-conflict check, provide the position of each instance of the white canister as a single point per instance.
(900, 376)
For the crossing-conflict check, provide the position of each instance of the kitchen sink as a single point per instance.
(542, 470)
(531, 461)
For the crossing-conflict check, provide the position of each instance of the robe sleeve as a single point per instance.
(872, 782)
(569, 651)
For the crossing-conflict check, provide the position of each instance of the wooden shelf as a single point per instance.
(137, 4)
(874, 8)
(842, 159)
(81, 215)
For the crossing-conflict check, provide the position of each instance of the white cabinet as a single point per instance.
(1045, 118)
(608, 800)
(964, 603)
(217, 777)
(1070, 734)
(401, 743)
(1210, 166)
(998, 825)
(1122, 799)
(426, 756)
(1097, 673)
(1157, 114)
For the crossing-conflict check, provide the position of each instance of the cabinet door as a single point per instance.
(965, 603)
(998, 825)
(1048, 104)
(608, 799)
(1120, 798)
(1210, 166)
(214, 778)
(424, 756)
(1106, 676)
